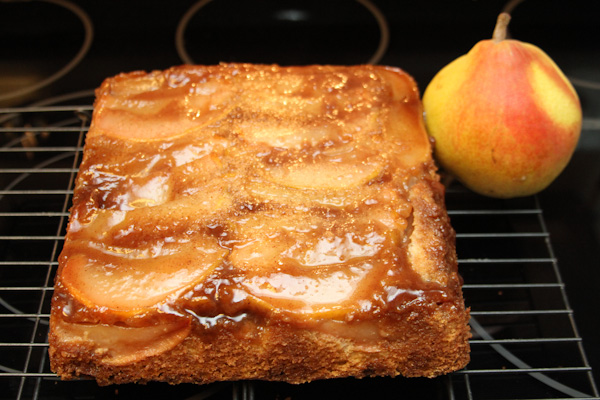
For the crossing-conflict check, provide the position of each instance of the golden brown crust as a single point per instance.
(421, 347)
(258, 222)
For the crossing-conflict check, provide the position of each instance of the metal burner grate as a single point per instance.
(525, 342)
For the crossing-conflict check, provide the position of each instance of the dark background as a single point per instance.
(38, 38)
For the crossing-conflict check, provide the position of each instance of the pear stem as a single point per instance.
(500, 29)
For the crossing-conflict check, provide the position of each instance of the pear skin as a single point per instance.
(504, 117)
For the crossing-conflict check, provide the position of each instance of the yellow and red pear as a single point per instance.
(504, 117)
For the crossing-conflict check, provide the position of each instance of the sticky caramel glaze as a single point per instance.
(235, 193)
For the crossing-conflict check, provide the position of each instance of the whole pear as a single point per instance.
(504, 117)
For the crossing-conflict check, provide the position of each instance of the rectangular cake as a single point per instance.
(237, 221)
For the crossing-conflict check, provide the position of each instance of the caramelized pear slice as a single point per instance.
(177, 217)
(129, 126)
(333, 176)
(139, 107)
(146, 109)
(262, 238)
(133, 281)
(329, 293)
(306, 265)
(138, 83)
(118, 345)
(272, 193)
(284, 134)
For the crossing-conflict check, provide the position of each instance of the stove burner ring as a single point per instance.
(384, 31)
(584, 83)
(87, 42)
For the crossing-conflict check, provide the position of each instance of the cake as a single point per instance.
(238, 221)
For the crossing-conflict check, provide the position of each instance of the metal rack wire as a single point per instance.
(525, 342)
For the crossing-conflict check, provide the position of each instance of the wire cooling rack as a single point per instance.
(525, 343)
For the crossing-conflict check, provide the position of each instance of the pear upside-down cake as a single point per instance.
(241, 221)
